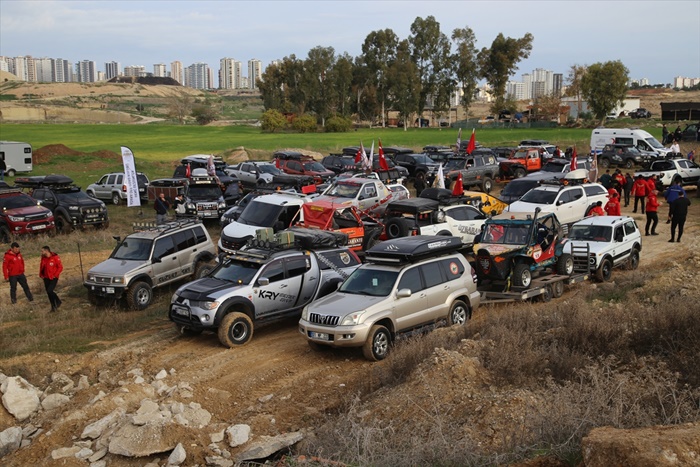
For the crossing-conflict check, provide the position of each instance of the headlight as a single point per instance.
(305, 313)
(352, 318)
(91, 277)
(222, 205)
(73, 208)
(117, 280)
(16, 218)
(207, 305)
(190, 206)
(173, 298)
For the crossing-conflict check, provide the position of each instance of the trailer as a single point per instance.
(18, 157)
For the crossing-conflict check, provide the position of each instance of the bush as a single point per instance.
(272, 121)
(338, 124)
(304, 124)
(204, 114)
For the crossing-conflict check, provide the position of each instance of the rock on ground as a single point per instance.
(19, 397)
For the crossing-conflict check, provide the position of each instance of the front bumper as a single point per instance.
(105, 290)
(336, 336)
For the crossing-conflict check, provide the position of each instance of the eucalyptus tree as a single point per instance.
(318, 81)
(404, 83)
(466, 65)
(574, 89)
(378, 54)
(341, 81)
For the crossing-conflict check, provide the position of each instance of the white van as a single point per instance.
(17, 157)
(640, 139)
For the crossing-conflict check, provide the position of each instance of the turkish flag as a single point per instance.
(188, 171)
(574, 163)
(472, 143)
(382, 159)
(458, 189)
(360, 154)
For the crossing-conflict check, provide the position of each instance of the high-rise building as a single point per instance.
(198, 76)
(112, 70)
(515, 90)
(557, 83)
(176, 71)
(230, 73)
(18, 67)
(159, 70)
(62, 71)
(43, 69)
(254, 72)
(135, 70)
(4, 64)
(86, 71)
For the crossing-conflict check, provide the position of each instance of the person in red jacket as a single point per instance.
(652, 216)
(639, 190)
(651, 183)
(13, 270)
(613, 205)
(50, 269)
(597, 210)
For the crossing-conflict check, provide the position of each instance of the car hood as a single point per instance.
(593, 246)
(236, 230)
(118, 267)
(523, 206)
(340, 304)
(208, 288)
(497, 249)
(86, 203)
(27, 211)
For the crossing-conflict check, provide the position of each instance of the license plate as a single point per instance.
(178, 310)
(109, 290)
(322, 336)
(38, 227)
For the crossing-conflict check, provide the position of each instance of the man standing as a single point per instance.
(629, 181)
(161, 206)
(652, 216)
(13, 270)
(639, 190)
(49, 270)
(606, 179)
(679, 211)
(3, 168)
(672, 194)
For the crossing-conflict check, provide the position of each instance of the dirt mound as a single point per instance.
(46, 153)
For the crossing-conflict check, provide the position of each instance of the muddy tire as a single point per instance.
(633, 261)
(63, 225)
(235, 329)
(201, 269)
(487, 185)
(396, 228)
(604, 271)
(378, 343)
(139, 296)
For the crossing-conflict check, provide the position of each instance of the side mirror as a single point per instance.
(117, 238)
(156, 260)
(403, 293)
(263, 281)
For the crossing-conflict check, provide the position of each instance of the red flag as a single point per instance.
(574, 162)
(472, 143)
(277, 162)
(382, 160)
(458, 189)
(188, 171)
(360, 154)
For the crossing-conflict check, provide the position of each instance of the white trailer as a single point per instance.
(18, 157)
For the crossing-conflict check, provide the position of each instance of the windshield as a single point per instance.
(521, 154)
(138, 249)
(260, 214)
(509, 234)
(314, 166)
(454, 164)
(141, 179)
(19, 201)
(204, 192)
(238, 272)
(73, 196)
(368, 281)
(268, 169)
(653, 142)
(517, 188)
(556, 168)
(539, 197)
(345, 190)
(596, 233)
(423, 159)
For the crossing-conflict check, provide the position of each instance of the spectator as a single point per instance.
(161, 206)
(672, 194)
(597, 210)
(618, 180)
(3, 168)
(612, 207)
(49, 270)
(419, 184)
(629, 181)
(13, 270)
(678, 134)
(557, 152)
(651, 183)
(652, 216)
(606, 179)
(664, 134)
(679, 212)
(675, 147)
(639, 191)
(179, 204)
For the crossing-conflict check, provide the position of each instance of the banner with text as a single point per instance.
(130, 180)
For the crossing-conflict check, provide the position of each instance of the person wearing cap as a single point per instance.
(161, 206)
(652, 216)
(13, 270)
(612, 207)
(597, 210)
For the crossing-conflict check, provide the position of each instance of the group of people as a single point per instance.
(672, 138)
(162, 205)
(50, 269)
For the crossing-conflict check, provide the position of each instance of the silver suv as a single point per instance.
(150, 257)
(407, 283)
(112, 187)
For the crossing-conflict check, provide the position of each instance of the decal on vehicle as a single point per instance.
(454, 269)
(345, 258)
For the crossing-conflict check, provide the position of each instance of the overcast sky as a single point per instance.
(657, 40)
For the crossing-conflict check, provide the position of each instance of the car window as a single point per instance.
(539, 197)
(683, 164)
(297, 266)
(164, 247)
(111, 179)
(369, 281)
(184, 239)
(629, 227)
(200, 235)
(294, 165)
(134, 249)
(119, 179)
(274, 271)
(103, 180)
(411, 280)
(452, 268)
(432, 274)
(592, 190)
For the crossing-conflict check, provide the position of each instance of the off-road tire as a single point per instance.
(93, 299)
(11, 173)
(139, 295)
(604, 162)
(522, 276)
(377, 345)
(63, 225)
(558, 289)
(629, 164)
(5, 234)
(604, 271)
(487, 185)
(104, 225)
(633, 260)
(396, 227)
(201, 269)
(565, 264)
(116, 200)
(548, 293)
(235, 329)
(459, 314)
(520, 172)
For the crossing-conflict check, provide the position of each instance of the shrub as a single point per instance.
(272, 121)
(304, 124)
(338, 124)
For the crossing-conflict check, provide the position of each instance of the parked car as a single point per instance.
(113, 187)
(691, 132)
(406, 284)
(418, 165)
(366, 194)
(515, 189)
(296, 163)
(21, 215)
(339, 163)
(624, 156)
(200, 161)
(640, 113)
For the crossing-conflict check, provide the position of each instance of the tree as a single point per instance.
(341, 81)
(379, 52)
(466, 66)
(430, 51)
(317, 81)
(576, 74)
(180, 107)
(273, 120)
(271, 86)
(604, 87)
(499, 62)
(549, 106)
(404, 84)
(204, 113)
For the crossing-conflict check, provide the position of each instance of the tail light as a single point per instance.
(124, 188)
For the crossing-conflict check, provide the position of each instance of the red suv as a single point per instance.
(296, 163)
(20, 215)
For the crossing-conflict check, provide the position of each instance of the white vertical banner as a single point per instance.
(130, 180)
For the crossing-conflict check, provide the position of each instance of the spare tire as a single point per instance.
(396, 227)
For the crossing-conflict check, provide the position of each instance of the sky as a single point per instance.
(657, 40)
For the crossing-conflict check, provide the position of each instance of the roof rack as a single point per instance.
(53, 180)
(405, 250)
(5, 191)
(153, 227)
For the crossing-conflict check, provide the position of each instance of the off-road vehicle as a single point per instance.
(71, 207)
(406, 284)
(204, 198)
(477, 170)
(151, 256)
(613, 241)
(21, 215)
(295, 163)
(514, 246)
(112, 187)
(271, 278)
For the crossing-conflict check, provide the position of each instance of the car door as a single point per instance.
(100, 187)
(437, 288)
(281, 293)
(47, 198)
(367, 196)
(624, 236)
(570, 205)
(689, 171)
(186, 245)
(412, 311)
(464, 221)
(165, 261)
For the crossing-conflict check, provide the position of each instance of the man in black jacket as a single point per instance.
(161, 206)
(678, 214)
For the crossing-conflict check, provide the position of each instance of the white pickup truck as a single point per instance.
(668, 170)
